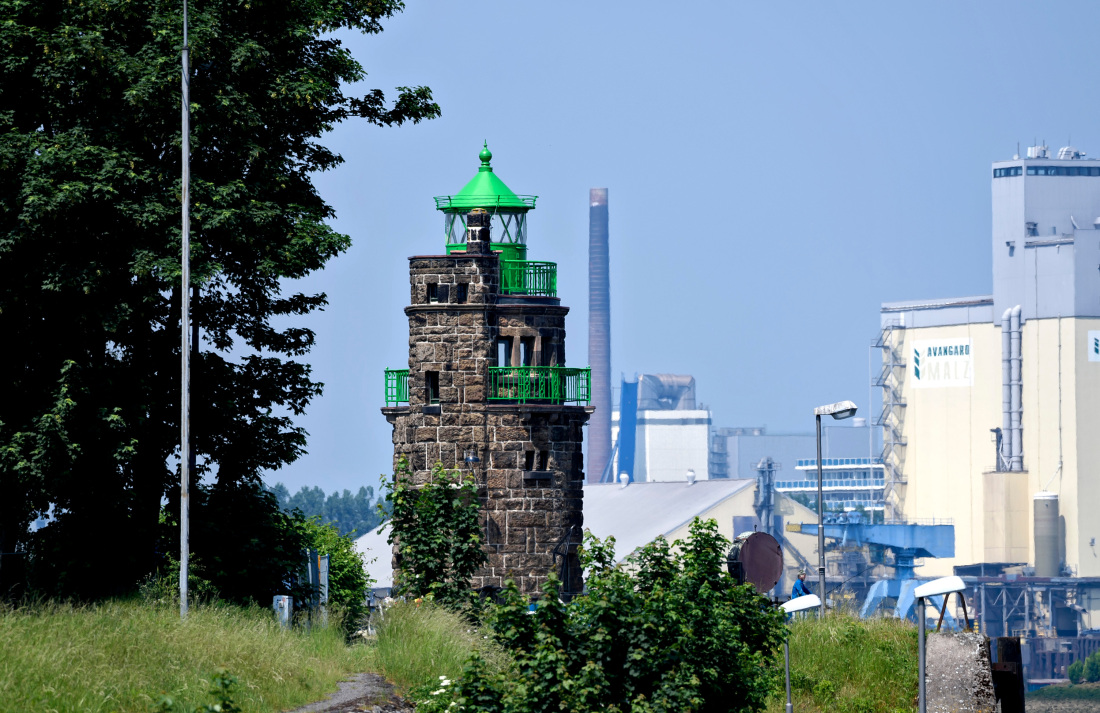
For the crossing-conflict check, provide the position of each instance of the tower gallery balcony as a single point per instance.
(514, 384)
(540, 384)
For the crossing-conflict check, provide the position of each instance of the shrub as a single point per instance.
(1076, 672)
(1092, 668)
(347, 576)
(435, 527)
(671, 631)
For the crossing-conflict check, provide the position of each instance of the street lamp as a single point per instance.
(840, 410)
(936, 588)
(790, 607)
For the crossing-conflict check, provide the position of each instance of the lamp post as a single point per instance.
(791, 606)
(185, 321)
(943, 586)
(840, 410)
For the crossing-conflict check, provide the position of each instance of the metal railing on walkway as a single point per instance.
(547, 384)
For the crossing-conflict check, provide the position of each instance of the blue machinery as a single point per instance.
(908, 542)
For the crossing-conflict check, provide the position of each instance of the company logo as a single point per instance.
(942, 363)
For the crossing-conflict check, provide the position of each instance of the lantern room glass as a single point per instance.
(506, 227)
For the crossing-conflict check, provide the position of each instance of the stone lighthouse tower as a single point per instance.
(487, 388)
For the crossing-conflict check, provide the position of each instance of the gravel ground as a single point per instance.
(363, 692)
(958, 674)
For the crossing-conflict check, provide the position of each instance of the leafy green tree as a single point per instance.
(356, 513)
(90, 247)
(435, 528)
(1076, 671)
(671, 631)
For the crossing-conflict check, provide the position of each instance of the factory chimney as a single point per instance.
(599, 335)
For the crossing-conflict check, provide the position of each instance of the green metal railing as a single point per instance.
(397, 386)
(525, 277)
(549, 384)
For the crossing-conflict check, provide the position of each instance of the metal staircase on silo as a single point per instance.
(892, 417)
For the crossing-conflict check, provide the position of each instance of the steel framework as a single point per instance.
(892, 418)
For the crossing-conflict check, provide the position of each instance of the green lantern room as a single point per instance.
(508, 211)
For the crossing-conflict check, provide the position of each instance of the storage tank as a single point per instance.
(1047, 560)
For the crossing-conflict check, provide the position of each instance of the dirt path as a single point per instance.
(363, 692)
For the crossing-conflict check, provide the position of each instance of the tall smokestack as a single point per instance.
(599, 335)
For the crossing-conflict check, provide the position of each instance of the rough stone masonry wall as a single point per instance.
(530, 510)
(526, 510)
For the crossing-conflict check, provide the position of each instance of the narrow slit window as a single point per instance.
(433, 293)
(529, 460)
(460, 292)
(504, 352)
(543, 459)
(527, 351)
(431, 380)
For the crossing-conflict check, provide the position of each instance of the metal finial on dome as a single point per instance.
(486, 155)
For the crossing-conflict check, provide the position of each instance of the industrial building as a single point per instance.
(990, 406)
(664, 434)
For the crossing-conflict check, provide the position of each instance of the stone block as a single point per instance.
(526, 519)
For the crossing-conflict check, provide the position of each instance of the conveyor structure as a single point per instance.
(908, 542)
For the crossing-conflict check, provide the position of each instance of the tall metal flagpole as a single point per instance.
(185, 312)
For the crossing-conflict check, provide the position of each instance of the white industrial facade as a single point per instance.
(668, 444)
(992, 400)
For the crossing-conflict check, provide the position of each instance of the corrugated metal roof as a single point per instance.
(637, 514)
(634, 515)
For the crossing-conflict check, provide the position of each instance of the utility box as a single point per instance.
(283, 606)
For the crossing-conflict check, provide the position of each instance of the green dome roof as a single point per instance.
(486, 191)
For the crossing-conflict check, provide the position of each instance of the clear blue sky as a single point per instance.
(776, 171)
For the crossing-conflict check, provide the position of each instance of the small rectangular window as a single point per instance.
(529, 460)
(504, 352)
(527, 351)
(543, 459)
(460, 292)
(433, 293)
(431, 381)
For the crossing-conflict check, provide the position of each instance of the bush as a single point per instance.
(1092, 668)
(435, 527)
(347, 576)
(1076, 672)
(671, 631)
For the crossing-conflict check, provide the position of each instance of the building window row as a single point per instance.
(845, 483)
(826, 462)
(1047, 171)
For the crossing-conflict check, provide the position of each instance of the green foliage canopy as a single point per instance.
(90, 246)
(350, 513)
(672, 631)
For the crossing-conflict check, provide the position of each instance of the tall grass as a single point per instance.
(418, 643)
(122, 655)
(844, 664)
